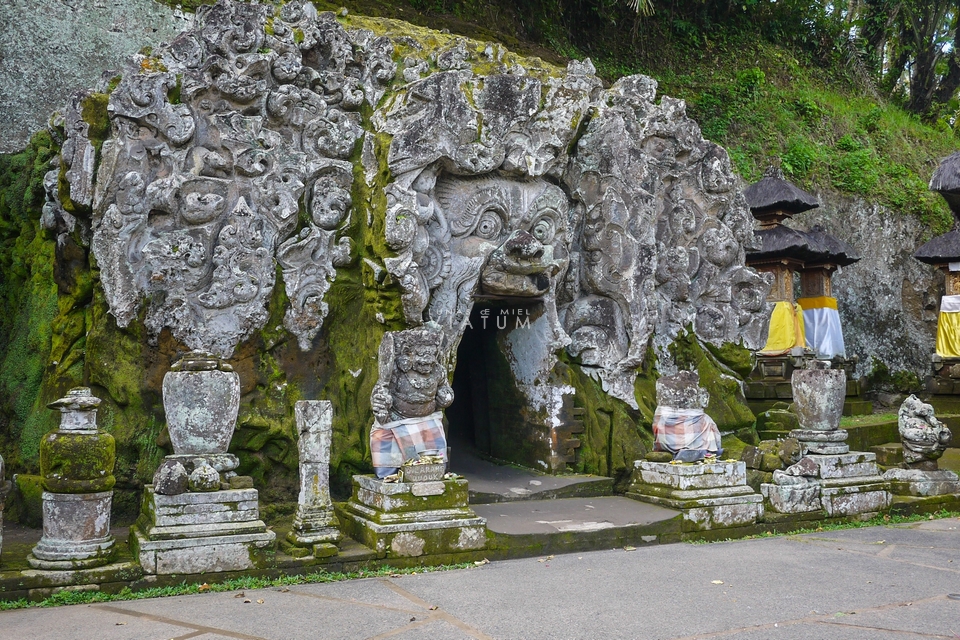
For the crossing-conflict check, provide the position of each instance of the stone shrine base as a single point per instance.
(200, 532)
(845, 484)
(710, 495)
(76, 532)
(409, 519)
(920, 483)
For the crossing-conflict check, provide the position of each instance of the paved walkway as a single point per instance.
(883, 582)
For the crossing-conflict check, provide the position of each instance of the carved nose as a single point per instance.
(523, 245)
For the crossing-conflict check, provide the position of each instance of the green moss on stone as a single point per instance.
(727, 407)
(77, 463)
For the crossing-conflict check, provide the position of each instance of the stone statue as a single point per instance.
(680, 425)
(409, 398)
(924, 437)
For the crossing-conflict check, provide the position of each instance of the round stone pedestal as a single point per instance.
(76, 531)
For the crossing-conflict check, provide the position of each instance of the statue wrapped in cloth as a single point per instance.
(409, 398)
(680, 425)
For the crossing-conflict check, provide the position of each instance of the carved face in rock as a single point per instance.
(519, 227)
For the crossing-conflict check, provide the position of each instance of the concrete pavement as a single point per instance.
(882, 582)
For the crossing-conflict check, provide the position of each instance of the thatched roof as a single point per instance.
(815, 247)
(784, 242)
(946, 182)
(774, 193)
(941, 250)
(840, 253)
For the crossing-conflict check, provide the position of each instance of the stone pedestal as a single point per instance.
(840, 484)
(710, 495)
(920, 483)
(76, 531)
(405, 519)
(200, 532)
(316, 525)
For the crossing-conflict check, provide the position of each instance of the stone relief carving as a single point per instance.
(233, 150)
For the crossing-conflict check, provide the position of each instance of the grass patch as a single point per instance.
(247, 582)
(874, 418)
(876, 521)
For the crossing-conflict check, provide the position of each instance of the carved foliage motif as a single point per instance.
(217, 139)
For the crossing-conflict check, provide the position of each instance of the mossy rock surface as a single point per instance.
(77, 463)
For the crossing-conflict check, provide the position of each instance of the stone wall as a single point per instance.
(888, 301)
(51, 48)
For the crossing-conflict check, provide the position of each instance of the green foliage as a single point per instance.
(881, 378)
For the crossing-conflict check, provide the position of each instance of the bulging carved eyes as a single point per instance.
(544, 230)
(489, 225)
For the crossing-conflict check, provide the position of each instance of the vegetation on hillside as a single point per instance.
(784, 82)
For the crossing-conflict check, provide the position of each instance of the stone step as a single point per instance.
(857, 407)
(566, 525)
(492, 483)
(889, 454)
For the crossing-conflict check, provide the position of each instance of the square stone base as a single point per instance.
(916, 482)
(849, 498)
(844, 484)
(710, 495)
(412, 519)
(200, 532)
(792, 498)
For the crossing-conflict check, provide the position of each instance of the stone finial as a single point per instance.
(924, 437)
(78, 410)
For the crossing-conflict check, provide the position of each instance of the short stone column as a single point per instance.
(316, 525)
(76, 464)
(818, 395)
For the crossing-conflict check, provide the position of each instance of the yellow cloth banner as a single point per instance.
(948, 335)
(786, 329)
(820, 302)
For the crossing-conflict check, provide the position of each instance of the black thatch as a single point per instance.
(839, 252)
(783, 242)
(773, 193)
(941, 250)
(946, 182)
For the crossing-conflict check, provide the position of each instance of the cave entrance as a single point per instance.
(486, 414)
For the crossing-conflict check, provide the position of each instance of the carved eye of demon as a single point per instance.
(489, 225)
(544, 229)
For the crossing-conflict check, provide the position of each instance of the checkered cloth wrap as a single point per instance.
(393, 443)
(676, 429)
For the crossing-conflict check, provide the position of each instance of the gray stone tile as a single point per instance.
(940, 616)
(281, 616)
(435, 630)
(82, 622)
(373, 591)
(810, 631)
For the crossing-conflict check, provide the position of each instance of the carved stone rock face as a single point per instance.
(517, 231)
(260, 138)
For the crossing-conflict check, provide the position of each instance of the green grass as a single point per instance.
(877, 521)
(248, 582)
(875, 418)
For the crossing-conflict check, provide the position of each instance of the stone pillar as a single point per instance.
(76, 464)
(315, 524)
